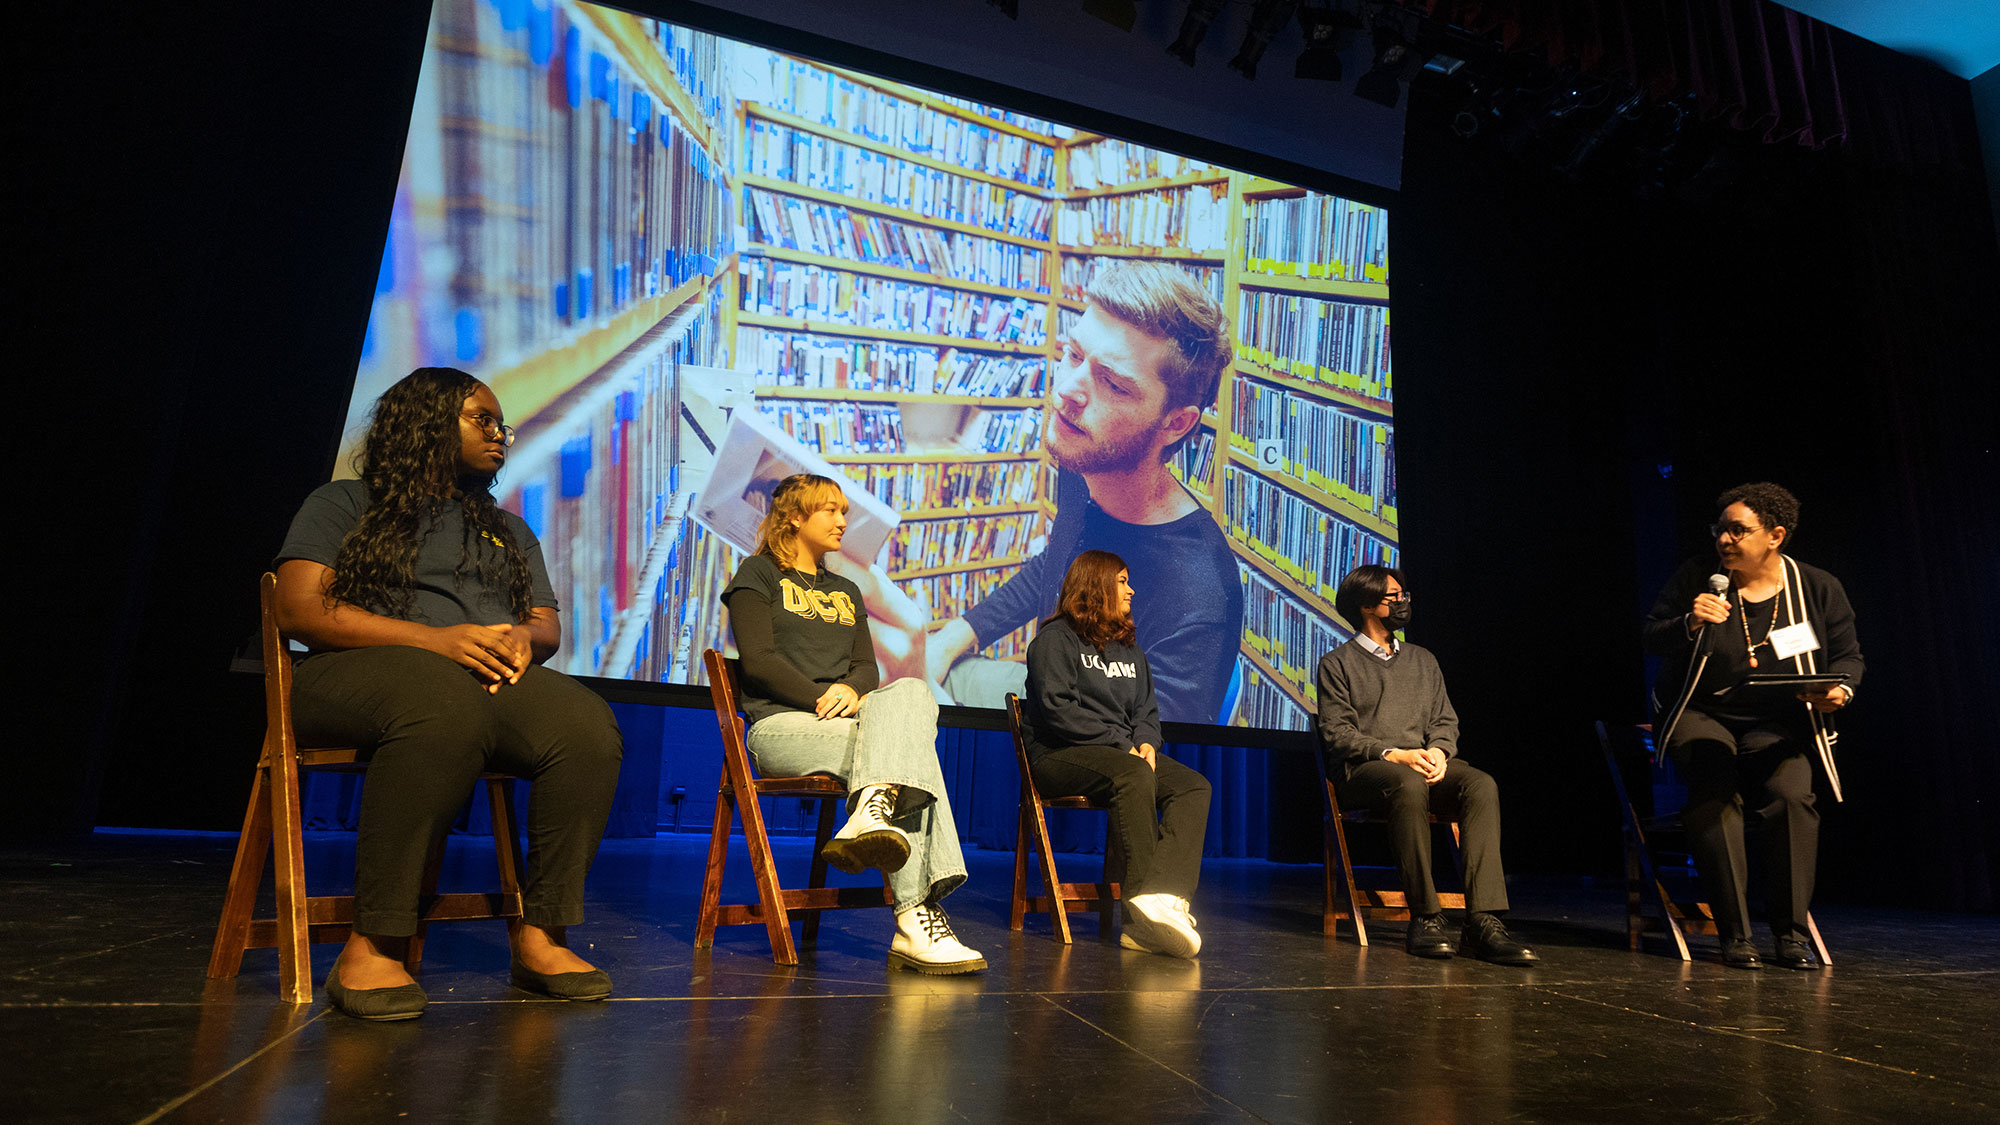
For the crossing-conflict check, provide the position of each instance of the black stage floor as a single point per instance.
(106, 1016)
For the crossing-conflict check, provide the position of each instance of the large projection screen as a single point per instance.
(688, 265)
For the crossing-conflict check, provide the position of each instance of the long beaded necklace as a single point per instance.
(1750, 647)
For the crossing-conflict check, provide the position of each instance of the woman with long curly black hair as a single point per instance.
(429, 613)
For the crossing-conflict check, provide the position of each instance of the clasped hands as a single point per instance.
(837, 702)
(494, 654)
(1429, 762)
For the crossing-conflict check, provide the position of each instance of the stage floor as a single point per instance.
(106, 1015)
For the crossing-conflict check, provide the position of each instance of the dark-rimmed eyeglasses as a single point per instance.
(491, 427)
(1730, 530)
(1399, 596)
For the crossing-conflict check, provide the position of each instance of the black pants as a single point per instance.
(432, 730)
(1162, 856)
(1725, 761)
(1466, 794)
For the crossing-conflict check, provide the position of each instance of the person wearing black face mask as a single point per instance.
(1390, 738)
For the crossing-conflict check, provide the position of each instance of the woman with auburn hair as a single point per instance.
(429, 613)
(810, 696)
(1094, 731)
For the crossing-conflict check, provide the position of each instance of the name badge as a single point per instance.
(1793, 640)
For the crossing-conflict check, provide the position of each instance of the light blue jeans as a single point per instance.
(892, 742)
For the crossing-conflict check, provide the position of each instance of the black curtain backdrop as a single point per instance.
(1583, 372)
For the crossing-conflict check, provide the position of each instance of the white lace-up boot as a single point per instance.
(924, 943)
(868, 839)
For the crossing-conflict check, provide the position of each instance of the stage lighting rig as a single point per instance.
(1267, 20)
(1121, 14)
(1200, 13)
(1325, 30)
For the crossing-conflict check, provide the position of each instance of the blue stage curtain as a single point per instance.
(673, 760)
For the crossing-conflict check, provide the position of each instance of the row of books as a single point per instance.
(1180, 218)
(933, 544)
(701, 64)
(1080, 270)
(947, 596)
(935, 486)
(1115, 163)
(812, 292)
(1340, 343)
(1316, 235)
(1302, 540)
(1317, 444)
(836, 232)
(871, 428)
(1007, 116)
(707, 563)
(814, 161)
(555, 212)
(1265, 705)
(1194, 461)
(784, 358)
(601, 493)
(824, 98)
(1289, 636)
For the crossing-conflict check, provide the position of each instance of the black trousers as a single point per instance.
(431, 730)
(1466, 794)
(1163, 855)
(1726, 762)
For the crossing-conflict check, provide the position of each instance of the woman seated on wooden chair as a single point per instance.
(809, 693)
(429, 614)
(1094, 731)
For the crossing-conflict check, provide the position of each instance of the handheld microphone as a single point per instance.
(1718, 584)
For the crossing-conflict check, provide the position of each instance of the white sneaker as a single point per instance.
(868, 839)
(924, 943)
(1159, 924)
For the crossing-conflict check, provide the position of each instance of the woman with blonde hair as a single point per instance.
(1094, 731)
(810, 696)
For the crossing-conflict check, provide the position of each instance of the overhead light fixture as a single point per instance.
(1269, 18)
(1121, 14)
(1194, 25)
(1325, 29)
(1396, 60)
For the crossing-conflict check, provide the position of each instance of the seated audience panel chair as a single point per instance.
(1346, 898)
(1032, 831)
(273, 824)
(1649, 906)
(736, 796)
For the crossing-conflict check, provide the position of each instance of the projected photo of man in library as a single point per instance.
(693, 267)
(1133, 375)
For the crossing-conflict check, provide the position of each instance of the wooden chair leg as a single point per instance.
(507, 850)
(295, 984)
(433, 867)
(1114, 876)
(1059, 909)
(1017, 909)
(1347, 882)
(764, 869)
(711, 880)
(1819, 943)
(809, 932)
(246, 874)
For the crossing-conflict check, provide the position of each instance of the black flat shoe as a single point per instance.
(1486, 938)
(1425, 938)
(1738, 953)
(592, 984)
(1793, 953)
(381, 1005)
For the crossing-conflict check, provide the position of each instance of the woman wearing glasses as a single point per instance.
(429, 613)
(1093, 730)
(1764, 612)
(810, 696)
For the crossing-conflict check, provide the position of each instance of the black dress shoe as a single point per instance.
(1486, 938)
(592, 984)
(1793, 953)
(1425, 938)
(1738, 953)
(400, 1002)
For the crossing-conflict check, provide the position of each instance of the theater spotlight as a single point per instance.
(1009, 8)
(1121, 14)
(1395, 61)
(1325, 30)
(1267, 20)
(1200, 13)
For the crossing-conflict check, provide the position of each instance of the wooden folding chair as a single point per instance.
(736, 796)
(1345, 898)
(1032, 831)
(273, 820)
(1649, 907)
